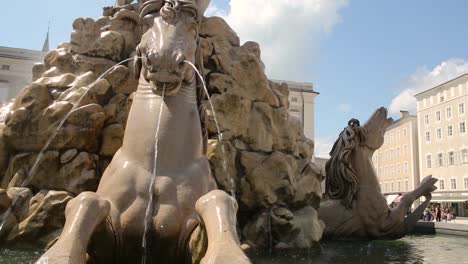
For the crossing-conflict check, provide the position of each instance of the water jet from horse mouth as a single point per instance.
(219, 134)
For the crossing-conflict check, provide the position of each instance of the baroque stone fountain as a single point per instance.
(120, 151)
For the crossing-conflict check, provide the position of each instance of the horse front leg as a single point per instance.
(83, 214)
(218, 212)
(397, 224)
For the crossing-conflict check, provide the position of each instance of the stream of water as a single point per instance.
(220, 135)
(149, 207)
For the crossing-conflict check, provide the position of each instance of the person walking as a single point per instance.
(438, 214)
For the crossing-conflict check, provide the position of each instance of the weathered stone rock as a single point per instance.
(19, 172)
(88, 39)
(96, 65)
(216, 26)
(5, 201)
(38, 70)
(308, 186)
(117, 109)
(222, 158)
(112, 138)
(20, 198)
(282, 93)
(232, 112)
(68, 155)
(61, 59)
(126, 23)
(79, 95)
(117, 75)
(78, 175)
(4, 151)
(45, 223)
(259, 134)
(62, 81)
(268, 180)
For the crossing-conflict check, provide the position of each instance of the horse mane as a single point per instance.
(341, 179)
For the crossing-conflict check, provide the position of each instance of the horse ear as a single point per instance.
(202, 6)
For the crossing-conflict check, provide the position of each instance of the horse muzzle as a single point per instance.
(161, 80)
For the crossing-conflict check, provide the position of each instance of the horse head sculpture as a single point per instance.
(170, 39)
(157, 208)
(354, 206)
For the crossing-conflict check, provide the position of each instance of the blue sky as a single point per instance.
(359, 54)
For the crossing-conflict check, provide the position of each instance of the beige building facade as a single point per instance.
(302, 104)
(443, 141)
(16, 70)
(396, 162)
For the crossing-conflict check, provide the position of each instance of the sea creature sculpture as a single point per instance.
(354, 206)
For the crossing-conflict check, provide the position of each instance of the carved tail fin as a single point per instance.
(413, 218)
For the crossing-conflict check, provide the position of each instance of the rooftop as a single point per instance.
(443, 86)
(21, 54)
(298, 86)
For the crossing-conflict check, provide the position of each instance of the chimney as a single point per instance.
(404, 114)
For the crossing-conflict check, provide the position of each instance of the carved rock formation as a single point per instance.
(267, 157)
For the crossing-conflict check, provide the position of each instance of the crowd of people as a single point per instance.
(438, 214)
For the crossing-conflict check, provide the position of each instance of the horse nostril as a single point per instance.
(180, 60)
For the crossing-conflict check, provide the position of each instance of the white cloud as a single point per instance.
(323, 146)
(424, 79)
(345, 108)
(213, 10)
(288, 31)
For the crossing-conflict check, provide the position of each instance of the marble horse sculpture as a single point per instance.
(190, 221)
(353, 204)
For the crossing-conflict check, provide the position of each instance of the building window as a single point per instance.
(391, 154)
(428, 136)
(406, 185)
(441, 99)
(398, 152)
(386, 186)
(399, 186)
(462, 128)
(294, 99)
(405, 149)
(398, 169)
(406, 169)
(392, 187)
(426, 119)
(464, 154)
(404, 132)
(398, 136)
(449, 130)
(449, 112)
(439, 133)
(440, 160)
(466, 183)
(461, 109)
(453, 183)
(438, 116)
(5, 67)
(429, 161)
(451, 158)
(392, 171)
(441, 184)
